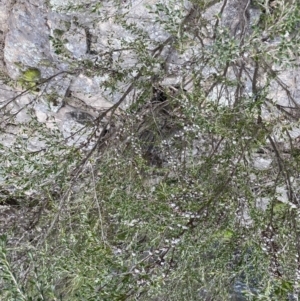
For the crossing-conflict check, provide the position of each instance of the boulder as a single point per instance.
(27, 41)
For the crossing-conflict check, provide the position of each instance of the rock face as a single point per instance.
(78, 51)
(236, 16)
(27, 41)
(34, 35)
(5, 8)
(25, 33)
(67, 44)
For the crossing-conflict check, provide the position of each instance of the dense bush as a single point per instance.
(188, 193)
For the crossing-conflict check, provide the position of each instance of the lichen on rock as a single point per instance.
(31, 75)
(30, 78)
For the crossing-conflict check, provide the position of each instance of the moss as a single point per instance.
(31, 75)
(30, 78)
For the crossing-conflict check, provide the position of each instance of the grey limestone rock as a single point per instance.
(27, 41)
(5, 8)
(81, 117)
(236, 16)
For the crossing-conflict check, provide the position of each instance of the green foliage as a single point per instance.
(30, 78)
(173, 200)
